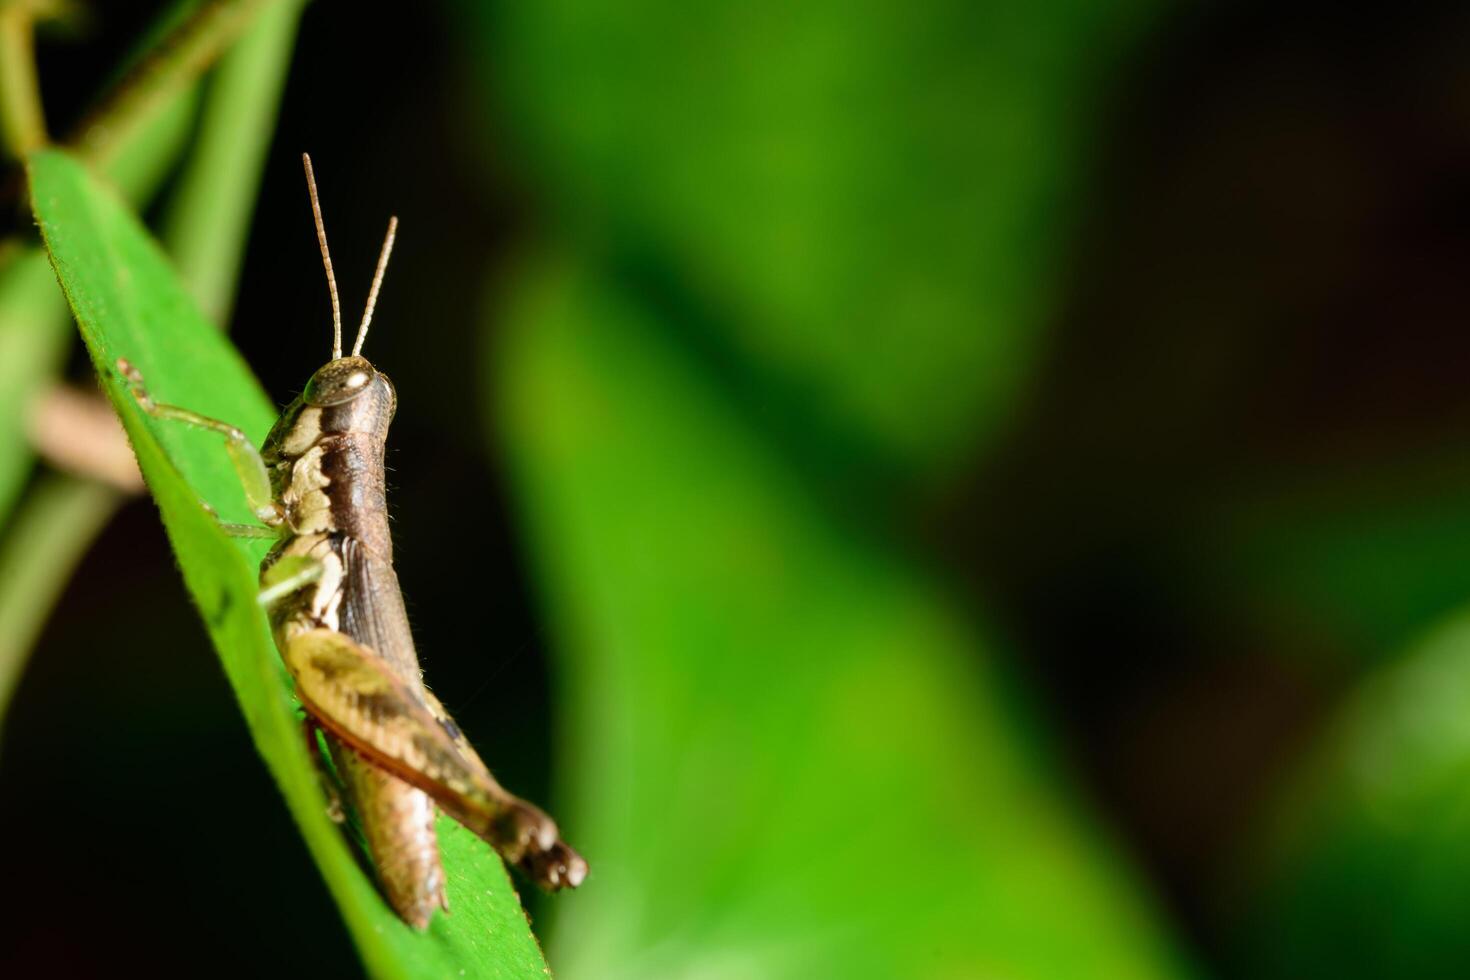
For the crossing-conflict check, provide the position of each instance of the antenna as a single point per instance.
(321, 237)
(372, 300)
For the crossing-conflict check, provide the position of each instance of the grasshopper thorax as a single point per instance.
(325, 454)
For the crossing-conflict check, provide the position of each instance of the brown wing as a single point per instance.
(372, 610)
(397, 822)
(355, 696)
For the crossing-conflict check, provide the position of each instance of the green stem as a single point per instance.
(22, 122)
(172, 64)
(52, 530)
(209, 215)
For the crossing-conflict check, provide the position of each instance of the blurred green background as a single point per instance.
(919, 490)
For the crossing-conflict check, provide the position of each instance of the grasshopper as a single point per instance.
(318, 488)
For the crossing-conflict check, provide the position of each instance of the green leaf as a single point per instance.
(790, 755)
(57, 521)
(859, 206)
(34, 331)
(1364, 869)
(129, 303)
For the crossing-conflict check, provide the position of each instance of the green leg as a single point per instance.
(249, 530)
(241, 530)
(248, 464)
(287, 576)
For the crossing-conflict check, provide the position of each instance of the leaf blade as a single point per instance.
(128, 303)
(862, 205)
(789, 753)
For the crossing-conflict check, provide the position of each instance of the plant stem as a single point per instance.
(22, 122)
(208, 217)
(52, 530)
(172, 64)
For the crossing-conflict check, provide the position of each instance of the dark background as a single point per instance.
(1268, 299)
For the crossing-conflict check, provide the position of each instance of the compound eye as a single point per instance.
(340, 381)
(392, 394)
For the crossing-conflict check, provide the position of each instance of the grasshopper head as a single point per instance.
(353, 389)
(340, 380)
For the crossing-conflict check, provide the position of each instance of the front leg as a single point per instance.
(246, 458)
